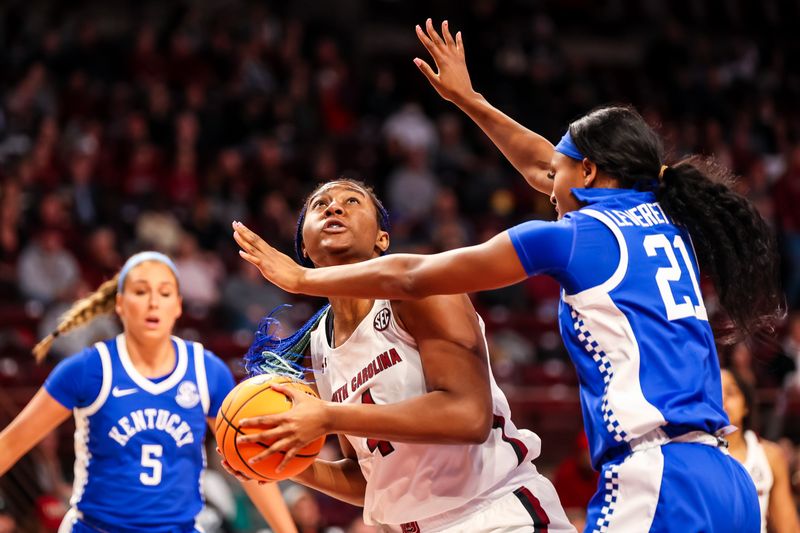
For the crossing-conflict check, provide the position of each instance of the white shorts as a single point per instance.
(531, 505)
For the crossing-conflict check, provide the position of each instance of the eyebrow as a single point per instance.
(325, 190)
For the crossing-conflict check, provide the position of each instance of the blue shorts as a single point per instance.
(677, 487)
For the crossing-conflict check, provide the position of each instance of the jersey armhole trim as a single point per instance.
(622, 267)
(398, 329)
(202, 377)
(105, 388)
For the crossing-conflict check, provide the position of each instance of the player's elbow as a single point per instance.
(477, 425)
(480, 428)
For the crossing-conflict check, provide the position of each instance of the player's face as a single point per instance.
(149, 303)
(341, 226)
(732, 399)
(566, 173)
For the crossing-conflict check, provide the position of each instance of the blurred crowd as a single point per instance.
(133, 125)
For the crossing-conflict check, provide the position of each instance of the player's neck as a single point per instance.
(347, 315)
(152, 358)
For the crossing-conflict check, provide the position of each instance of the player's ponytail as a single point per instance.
(734, 245)
(270, 354)
(100, 302)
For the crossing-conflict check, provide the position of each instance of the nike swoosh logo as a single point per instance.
(116, 392)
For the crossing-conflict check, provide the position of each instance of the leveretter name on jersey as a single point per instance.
(643, 215)
(375, 367)
(160, 419)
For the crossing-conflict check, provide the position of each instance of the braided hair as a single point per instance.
(100, 302)
(734, 245)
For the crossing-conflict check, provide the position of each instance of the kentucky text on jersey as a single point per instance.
(379, 364)
(146, 419)
(643, 215)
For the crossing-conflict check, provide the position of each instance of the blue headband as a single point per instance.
(137, 259)
(568, 148)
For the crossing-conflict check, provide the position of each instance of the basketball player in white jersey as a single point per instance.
(141, 403)
(428, 437)
(762, 459)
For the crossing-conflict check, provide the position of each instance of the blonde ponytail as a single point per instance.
(100, 302)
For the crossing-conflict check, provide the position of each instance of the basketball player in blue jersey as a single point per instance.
(141, 403)
(631, 235)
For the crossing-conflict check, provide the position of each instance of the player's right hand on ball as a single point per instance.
(452, 81)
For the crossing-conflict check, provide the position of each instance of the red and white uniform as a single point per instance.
(424, 487)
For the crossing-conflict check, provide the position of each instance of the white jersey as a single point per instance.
(757, 465)
(380, 363)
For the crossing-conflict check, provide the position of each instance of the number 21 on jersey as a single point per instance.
(673, 273)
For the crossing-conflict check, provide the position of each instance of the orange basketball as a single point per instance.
(255, 397)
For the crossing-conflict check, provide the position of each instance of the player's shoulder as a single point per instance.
(773, 452)
(89, 356)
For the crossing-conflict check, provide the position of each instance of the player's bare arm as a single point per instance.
(341, 479)
(41, 416)
(486, 266)
(781, 515)
(529, 152)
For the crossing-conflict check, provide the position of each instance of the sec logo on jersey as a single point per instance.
(187, 396)
(381, 321)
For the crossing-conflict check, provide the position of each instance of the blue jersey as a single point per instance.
(631, 316)
(139, 451)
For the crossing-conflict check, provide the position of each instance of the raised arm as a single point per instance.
(41, 416)
(490, 265)
(529, 152)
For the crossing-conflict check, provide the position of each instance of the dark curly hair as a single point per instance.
(735, 247)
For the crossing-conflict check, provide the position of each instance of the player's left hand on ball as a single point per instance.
(278, 268)
(291, 430)
(235, 473)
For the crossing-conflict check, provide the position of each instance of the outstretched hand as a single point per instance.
(276, 267)
(290, 431)
(452, 81)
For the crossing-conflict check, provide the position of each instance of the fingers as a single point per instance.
(265, 421)
(426, 42)
(276, 447)
(426, 70)
(434, 37)
(288, 456)
(448, 39)
(460, 43)
(235, 473)
(253, 260)
(290, 392)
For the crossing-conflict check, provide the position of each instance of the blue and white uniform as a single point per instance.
(633, 321)
(139, 451)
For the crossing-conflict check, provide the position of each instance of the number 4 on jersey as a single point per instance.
(384, 446)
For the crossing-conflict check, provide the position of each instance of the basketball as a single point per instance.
(255, 397)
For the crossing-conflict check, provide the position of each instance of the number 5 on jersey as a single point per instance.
(384, 446)
(673, 273)
(150, 459)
